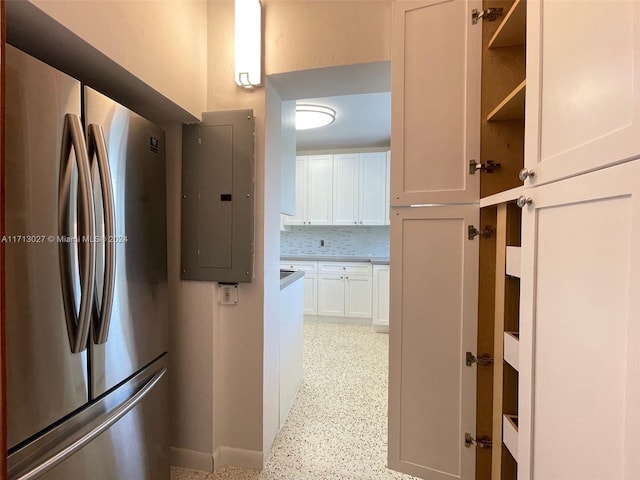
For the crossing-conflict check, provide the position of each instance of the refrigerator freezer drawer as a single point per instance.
(122, 436)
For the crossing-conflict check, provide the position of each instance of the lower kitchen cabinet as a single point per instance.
(381, 298)
(310, 270)
(344, 289)
(357, 296)
(331, 295)
(310, 294)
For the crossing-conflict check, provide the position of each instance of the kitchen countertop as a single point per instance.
(287, 278)
(335, 258)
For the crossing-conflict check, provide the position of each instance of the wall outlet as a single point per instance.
(322, 243)
(228, 293)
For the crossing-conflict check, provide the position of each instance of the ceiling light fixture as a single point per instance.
(313, 116)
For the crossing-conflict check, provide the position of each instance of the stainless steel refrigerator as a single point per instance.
(86, 282)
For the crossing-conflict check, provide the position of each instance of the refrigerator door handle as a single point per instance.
(77, 322)
(63, 448)
(98, 149)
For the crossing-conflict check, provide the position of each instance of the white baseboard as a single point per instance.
(191, 459)
(343, 320)
(381, 328)
(237, 457)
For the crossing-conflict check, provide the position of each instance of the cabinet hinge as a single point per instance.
(481, 442)
(488, 167)
(490, 14)
(483, 360)
(486, 232)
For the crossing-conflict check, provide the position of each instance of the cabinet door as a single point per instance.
(331, 295)
(434, 306)
(310, 294)
(381, 295)
(579, 328)
(583, 100)
(319, 190)
(435, 124)
(357, 296)
(345, 189)
(301, 194)
(373, 188)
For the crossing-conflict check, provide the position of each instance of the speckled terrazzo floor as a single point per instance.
(337, 427)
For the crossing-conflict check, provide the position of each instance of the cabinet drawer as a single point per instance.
(345, 268)
(307, 267)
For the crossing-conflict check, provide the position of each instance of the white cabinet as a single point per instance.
(373, 205)
(381, 297)
(359, 189)
(346, 170)
(583, 100)
(434, 285)
(319, 190)
(310, 270)
(357, 295)
(344, 289)
(300, 216)
(435, 111)
(331, 295)
(579, 329)
(314, 190)
(345, 189)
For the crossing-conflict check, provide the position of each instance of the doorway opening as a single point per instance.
(334, 186)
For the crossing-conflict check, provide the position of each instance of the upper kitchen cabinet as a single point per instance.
(346, 169)
(314, 190)
(435, 127)
(359, 189)
(300, 216)
(373, 206)
(341, 189)
(583, 100)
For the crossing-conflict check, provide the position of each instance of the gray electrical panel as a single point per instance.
(218, 197)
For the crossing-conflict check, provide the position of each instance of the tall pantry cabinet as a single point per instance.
(513, 296)
(579, 375)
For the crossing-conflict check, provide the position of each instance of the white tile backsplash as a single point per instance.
(339, 241)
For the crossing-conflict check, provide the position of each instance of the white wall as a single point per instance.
(163, 43)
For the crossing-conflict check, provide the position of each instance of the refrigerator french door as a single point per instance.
(86, 282)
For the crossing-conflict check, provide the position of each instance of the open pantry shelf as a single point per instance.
(512, 30)
(512, 107)
(512, 348)
(513, 262)
(510, 434)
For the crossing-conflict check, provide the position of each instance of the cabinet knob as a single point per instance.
(522, 201)
(524, 174)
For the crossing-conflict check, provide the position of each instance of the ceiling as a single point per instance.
(358, 93)
(362, 120)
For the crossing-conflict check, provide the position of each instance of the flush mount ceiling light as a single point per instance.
(313, 116)
(248, 43)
